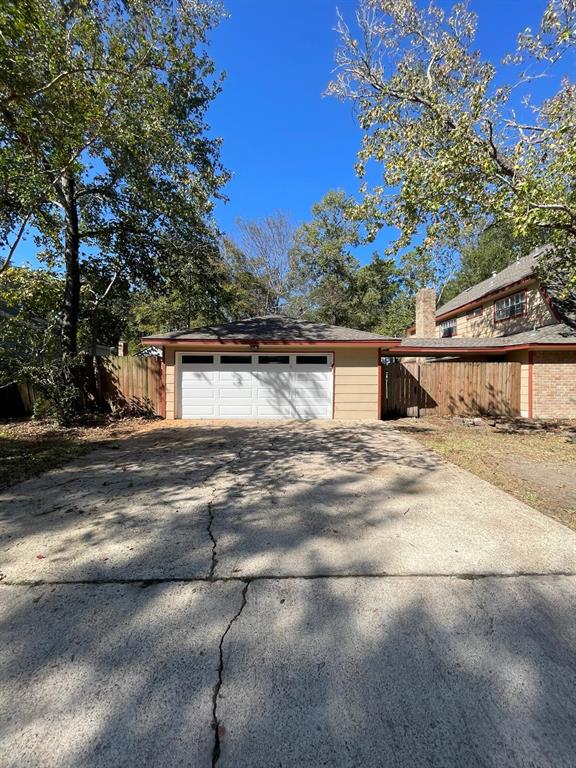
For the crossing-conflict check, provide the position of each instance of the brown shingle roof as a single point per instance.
(269, 328)
(549, 334)
(515, 272)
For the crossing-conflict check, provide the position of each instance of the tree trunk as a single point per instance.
(71, 308)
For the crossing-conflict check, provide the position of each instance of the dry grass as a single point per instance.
(538, 466)
(28, 448)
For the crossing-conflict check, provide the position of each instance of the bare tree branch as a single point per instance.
(12, 250)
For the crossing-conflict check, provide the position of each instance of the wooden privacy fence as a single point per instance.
(131, 384)
(451, 388)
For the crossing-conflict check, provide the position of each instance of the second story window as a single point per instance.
(510, 306)
(448, 328)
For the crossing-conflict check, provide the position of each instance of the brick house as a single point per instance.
(506, 317)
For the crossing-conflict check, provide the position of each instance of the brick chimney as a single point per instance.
(426, 313)
(122, 348)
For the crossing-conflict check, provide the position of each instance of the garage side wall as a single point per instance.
(169, 360)
(356, 394)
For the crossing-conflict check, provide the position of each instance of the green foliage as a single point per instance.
(495, 248)
(327, 282)
(247, 291)
(104, 150)
(451, 148)
(30, 303)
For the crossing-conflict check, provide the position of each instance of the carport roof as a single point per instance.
(270, 328)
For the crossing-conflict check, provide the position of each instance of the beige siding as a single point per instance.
(170, 381)
(355, 377)
(522, 358)
(537, 314)
(356, 384)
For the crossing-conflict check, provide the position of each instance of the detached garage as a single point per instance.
(271, 368)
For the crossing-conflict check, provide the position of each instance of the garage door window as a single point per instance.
(197, 359)
(311, 360)
(236, 359)
(278, 359)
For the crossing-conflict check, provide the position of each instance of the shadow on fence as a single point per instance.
(451, 389)
(130, 386)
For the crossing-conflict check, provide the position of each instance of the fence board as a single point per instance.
(451, 388)
(132, 383)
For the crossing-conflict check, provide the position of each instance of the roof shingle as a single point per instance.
(548, 334)
(515, 272)
(268, 328)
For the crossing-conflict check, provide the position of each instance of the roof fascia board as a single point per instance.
(266, 342)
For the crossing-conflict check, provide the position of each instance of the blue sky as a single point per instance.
(285, 144)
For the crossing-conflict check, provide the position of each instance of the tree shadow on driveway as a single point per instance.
(355, 669)
(141, 509)
(339, 672)
(276, 499)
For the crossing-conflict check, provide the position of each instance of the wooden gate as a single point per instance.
(132, 384)
(451, 388)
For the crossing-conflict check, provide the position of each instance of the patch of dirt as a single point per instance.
(30, 447)
(557, 480)
(534, 461)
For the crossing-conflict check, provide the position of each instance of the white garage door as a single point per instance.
(255, 386)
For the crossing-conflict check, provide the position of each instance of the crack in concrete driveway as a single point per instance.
(402, 612)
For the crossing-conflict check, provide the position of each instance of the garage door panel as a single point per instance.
(309, 390)
(314, 370)
(188, 375)
(274, 404)
(236, 410)
(271, 376)
(198, 389)
(236, 377)
(200, 411)
(235, 393)
(190, 395)
(311, 410)
(198, 401)
(265, 391)
(265, 411)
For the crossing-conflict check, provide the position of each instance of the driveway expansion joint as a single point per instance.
(215, 721)
(248, 579)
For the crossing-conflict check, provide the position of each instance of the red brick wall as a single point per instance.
(554, 385)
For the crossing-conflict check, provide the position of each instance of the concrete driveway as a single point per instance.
(282, 594)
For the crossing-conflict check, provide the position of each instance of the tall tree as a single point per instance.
(29, 313)
(377, 286)
(451, 143)
(193, 291)
(263, 250)
(323, 265)
(247, 289)
(103, 141)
